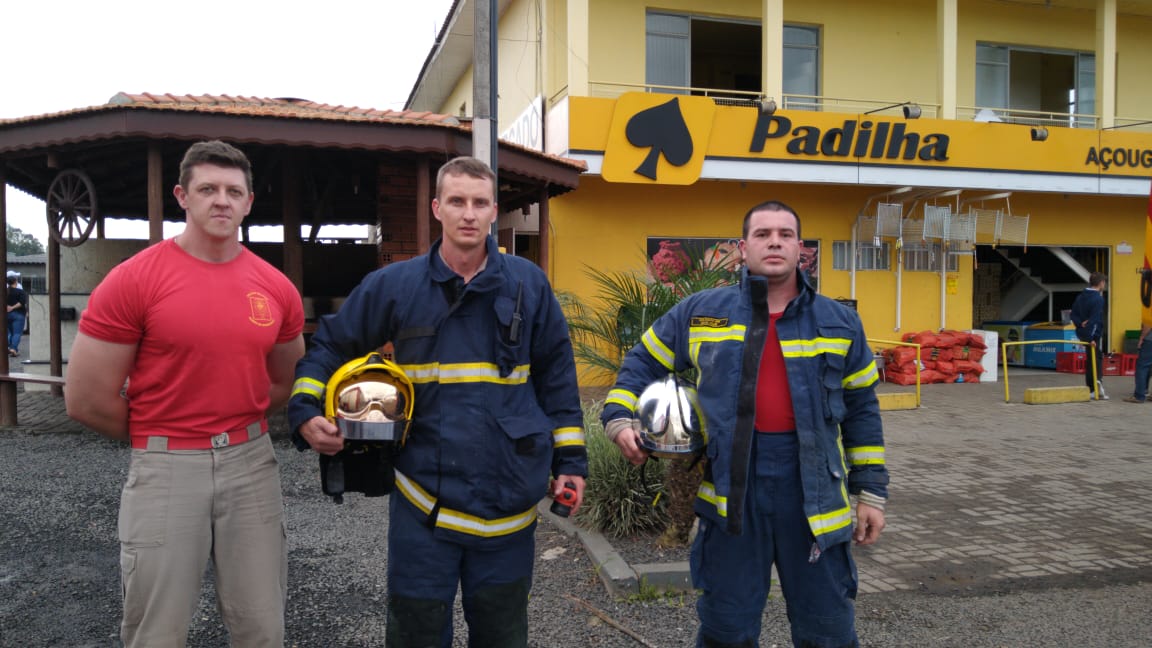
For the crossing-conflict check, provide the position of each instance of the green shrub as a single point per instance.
(616, 500)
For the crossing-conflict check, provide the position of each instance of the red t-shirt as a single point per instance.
(203, 333)
(773, 397)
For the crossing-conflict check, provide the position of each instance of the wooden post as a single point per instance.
(290, 195)
(545, 234)
(55, 353)
(155, 193)
(7, 389)
(423, 206)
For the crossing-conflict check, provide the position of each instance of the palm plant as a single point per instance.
(626, 304)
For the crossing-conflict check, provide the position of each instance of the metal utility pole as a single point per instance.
(484, 88)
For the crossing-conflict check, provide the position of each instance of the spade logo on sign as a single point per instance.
(663, 130)
(657, 139)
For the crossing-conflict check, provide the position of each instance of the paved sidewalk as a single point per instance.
(984, 491)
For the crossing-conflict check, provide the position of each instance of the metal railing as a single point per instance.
(850, 105)
(898, 343)
(1004, 354)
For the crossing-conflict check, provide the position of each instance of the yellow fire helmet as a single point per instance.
(370, 399)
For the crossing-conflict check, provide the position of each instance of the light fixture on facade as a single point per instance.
(910, 110)
(767, 105)
(1039, 133)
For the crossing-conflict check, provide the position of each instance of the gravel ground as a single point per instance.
(59, 582)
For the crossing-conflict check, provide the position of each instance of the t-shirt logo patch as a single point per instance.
(261, 311)
(709, 322)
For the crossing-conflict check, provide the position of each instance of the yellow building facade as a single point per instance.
(954, 162)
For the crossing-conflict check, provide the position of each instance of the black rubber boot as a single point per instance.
(416, 623)
(498, 615)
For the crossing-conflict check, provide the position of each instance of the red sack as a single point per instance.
(930, 376)
(900, 355)
(923, 338)
(935, 353)
(907, 368)
(968, 367)
(901, 378)
(948, 339)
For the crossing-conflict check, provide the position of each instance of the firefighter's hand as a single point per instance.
(322, 435)
(624, 434)
(577, 485)
(869, 524)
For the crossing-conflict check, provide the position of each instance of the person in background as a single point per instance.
(17, 313)
(786, 385)
(497, 410)
(1088, 318)
(208, 334)
(1143, 367)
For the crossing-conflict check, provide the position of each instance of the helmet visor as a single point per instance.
(370, 400)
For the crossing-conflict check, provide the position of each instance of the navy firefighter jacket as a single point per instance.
(494, 411)
(831, 375)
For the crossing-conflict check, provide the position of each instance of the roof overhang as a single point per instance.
(451, 56)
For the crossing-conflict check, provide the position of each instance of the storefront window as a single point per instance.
(926, 258)
(869, 256)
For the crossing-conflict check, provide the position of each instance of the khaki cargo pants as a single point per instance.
(181, 508)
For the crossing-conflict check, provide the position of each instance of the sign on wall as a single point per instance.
(671, 257)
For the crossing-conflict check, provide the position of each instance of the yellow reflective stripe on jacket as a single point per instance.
(863, 378)
(459, 521)
(568, 437)
(707, 492)
(623, 398)
(698, 336)
(866, 456)
(658, 349)
(814, 347)
(829, 522)
(309, 386)
(464, 372)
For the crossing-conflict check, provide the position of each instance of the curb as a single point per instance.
(620, 579)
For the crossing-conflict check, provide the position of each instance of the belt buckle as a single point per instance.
(220, 440)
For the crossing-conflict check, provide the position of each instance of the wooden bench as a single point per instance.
(8, 394)
(20, 376)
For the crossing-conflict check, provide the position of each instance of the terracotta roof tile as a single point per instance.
(244, 105)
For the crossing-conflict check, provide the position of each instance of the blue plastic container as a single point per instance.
(1043, 356)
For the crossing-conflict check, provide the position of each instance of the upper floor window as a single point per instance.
(712, 55)
(1044, 86)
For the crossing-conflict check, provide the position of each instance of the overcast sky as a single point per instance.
(71, 54)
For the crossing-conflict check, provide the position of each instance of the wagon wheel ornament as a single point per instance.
(71, 207)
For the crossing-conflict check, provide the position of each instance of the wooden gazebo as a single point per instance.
(314, 164)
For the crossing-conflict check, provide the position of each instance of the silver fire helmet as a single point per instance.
(671, 423)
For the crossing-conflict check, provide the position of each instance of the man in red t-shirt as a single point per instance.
(206, 335)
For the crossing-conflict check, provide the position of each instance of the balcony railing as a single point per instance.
(824, 103)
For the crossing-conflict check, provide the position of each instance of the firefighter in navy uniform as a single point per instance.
(786, 388)
(496, 413)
